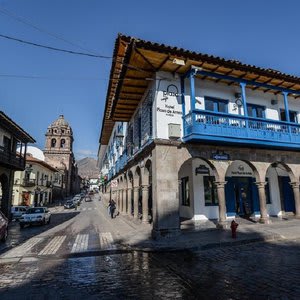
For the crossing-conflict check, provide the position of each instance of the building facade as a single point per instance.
(187, 135)
(12, 136)
(59, 154)
(35, 185)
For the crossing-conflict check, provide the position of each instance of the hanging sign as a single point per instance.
(220, 155)
(202, 169)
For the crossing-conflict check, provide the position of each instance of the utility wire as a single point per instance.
(31, 24)
(71, 52)
(72, 78)
(53, 48)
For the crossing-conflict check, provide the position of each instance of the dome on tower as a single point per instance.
(60, 122)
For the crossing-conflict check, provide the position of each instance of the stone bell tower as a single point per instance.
(59, 151)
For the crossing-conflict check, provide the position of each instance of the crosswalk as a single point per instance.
(61, 209)
(62, 245)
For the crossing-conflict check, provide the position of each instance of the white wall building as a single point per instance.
(192, 136)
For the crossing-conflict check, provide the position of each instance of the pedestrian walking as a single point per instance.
(112, 208)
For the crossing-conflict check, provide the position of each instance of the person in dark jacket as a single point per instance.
(112, 207)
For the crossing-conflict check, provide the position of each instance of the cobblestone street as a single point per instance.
(257, 271)
(82, 258)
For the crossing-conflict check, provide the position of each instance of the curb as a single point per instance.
(203, 247)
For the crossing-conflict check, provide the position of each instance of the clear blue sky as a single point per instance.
(263, 33)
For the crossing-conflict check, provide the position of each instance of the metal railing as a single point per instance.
(11, 159)
(207, 123)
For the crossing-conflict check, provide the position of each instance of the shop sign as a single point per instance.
(220, 155)
(202, 169)
(114, 183)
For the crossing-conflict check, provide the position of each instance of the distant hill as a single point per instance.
(87, 168)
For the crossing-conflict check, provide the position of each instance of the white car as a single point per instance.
(35, 215)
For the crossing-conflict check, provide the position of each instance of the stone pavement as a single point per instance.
(204, 235)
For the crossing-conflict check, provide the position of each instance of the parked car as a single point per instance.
(18, 211)
(35, 215)
(69, 204)
(3, 227)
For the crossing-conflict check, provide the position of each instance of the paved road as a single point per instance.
(81, 258)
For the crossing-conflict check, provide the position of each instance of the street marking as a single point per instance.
(81, 243)
(23, 249)
(106, 241)
(84, 209)
(89, 208)
(53, 246)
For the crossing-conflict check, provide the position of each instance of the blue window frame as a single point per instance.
(293, 116)
(216, 105)
(256, 111)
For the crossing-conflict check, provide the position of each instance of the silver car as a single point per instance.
(35, 215)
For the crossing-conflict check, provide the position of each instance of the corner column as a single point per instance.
(262, 202)
(220, 185)
(136, 202)
(145, 198)
(295, 186)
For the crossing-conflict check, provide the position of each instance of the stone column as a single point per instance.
(124, 201)
(262, 202)
(121, 201)
(118, 199)
(129, 195)
(136, 202)
(295, 186)
(145, 198)
(222, 203)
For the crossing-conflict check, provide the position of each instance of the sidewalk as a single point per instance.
(137, 236)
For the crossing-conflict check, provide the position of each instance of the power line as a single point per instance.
(73, 78)
(70, 51)
(31, 24)
(53, 48)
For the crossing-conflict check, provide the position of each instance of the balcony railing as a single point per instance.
(28, 182)
(221, 127)
(11, 159)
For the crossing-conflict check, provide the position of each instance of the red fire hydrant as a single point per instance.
(234, 225)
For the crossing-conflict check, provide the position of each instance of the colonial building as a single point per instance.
(188, 135)
(59, 154)
(34, 186)
(11, 137)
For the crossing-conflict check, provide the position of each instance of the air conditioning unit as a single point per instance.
(174, 131)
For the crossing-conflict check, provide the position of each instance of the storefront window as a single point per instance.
(185, 191)
(210, 191)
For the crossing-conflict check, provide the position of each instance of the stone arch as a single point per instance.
(147, 202)
(130, 192)
(192, 175)
(62, 143)
(241, 190)
(137, 196)
(4, 185)
(282, 184)
(53, 143)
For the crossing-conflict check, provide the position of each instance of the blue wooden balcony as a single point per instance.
(202, 125)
